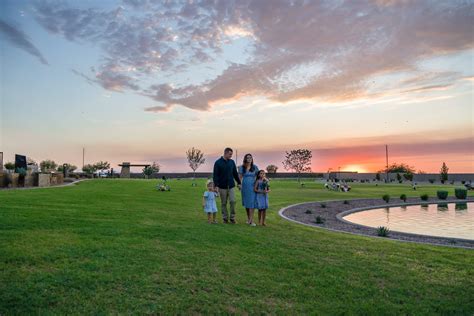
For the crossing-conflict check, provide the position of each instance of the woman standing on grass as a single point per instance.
(247, 174)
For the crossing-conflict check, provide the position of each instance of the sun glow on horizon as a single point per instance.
(357, 168)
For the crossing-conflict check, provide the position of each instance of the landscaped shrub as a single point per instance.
(383, 231)
(320, 220)
(442, 195)
(460, 193)
(424, 197)
(431, 180)
(308, 212)
(386, 198)
(403, 197)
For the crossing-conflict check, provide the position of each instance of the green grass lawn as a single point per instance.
(119, 246)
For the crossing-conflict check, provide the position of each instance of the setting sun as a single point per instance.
(357, 168)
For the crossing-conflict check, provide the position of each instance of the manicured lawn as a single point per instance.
(119, 246)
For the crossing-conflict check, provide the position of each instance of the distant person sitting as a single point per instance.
(468, 185)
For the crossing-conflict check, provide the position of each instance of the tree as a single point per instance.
(272, 169)
(48, 165)
(69, 167)
(298, 160)
(401, 168)
(377, 176)
(399, 178)
(444, 173)
(408, 176)
(89, 169)
(150, 170)
(10, 166)
(101, 166)
(195, 159)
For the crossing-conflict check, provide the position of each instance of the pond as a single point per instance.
(454, 220)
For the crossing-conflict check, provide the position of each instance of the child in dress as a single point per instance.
(261, 188)
(209, 203)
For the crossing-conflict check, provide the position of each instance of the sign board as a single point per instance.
(20, 162)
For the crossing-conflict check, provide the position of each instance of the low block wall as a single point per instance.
(44, 179)
(456, 177)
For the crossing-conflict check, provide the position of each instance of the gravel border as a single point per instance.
(335, 210)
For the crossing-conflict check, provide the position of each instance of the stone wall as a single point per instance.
(44, 179)
(457, 177)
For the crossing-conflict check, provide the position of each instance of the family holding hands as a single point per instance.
(250, 180)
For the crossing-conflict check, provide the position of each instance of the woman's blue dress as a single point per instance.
(248, 182)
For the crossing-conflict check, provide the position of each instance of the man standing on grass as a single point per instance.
(224, 174)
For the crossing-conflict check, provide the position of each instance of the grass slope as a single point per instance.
(119, 246)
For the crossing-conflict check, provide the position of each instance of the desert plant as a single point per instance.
(89, 169)
(10, 166)
(403, 197)
(383, 231)
(460, 193)
(424, 197)
(320, 220)
(386, 198)
(101, 166)
(69, 167)
(48, 165)
(442, 195)
(21, 171)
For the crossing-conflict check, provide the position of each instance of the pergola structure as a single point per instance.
(125, 172)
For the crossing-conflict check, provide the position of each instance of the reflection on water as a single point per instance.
(442, 207)
(443, 219)
(461, 206)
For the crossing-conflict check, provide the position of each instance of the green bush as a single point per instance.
(383, 231)
(424, 197)
(403, 197)
(460, 193)
(442, 195)
(431, 180)
(320, 220)
(386, 198)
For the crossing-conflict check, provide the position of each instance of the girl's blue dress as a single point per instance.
(248, 182)
(261, 200)
(210, 198)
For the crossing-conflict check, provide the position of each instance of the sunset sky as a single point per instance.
(144, 80)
